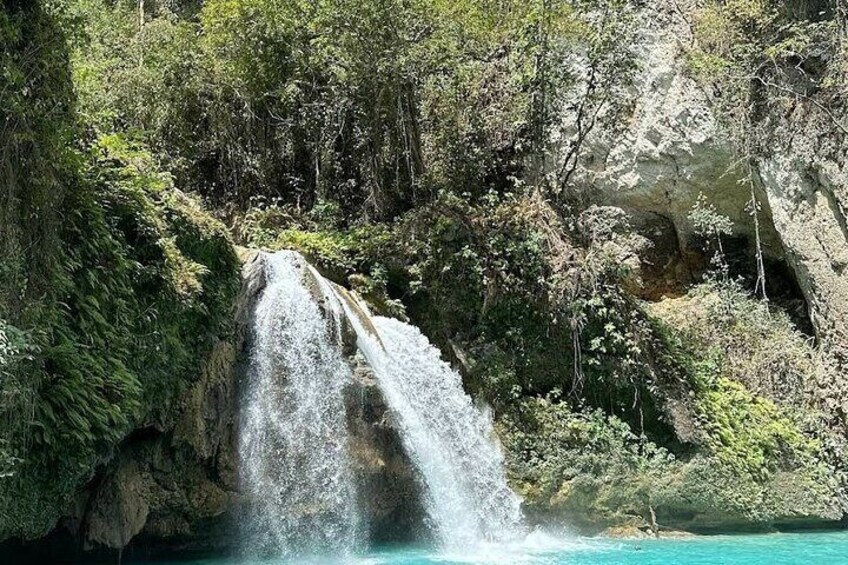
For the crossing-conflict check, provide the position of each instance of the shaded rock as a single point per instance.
(666, 267)
(120, 508)
(643, 242)
(388, 486)
(207, 424)
(164, 485)
(627, 532)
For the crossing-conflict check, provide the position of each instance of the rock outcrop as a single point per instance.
(808, 195)
(387, 485)
(178, 484)
(673, 148)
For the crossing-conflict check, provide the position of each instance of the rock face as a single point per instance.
(808, 195)
(177, 484)
(175, 488)
(672, 149)
(387, 485)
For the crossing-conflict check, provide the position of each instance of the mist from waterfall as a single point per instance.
(295, 466)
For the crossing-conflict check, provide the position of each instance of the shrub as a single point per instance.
(763, 57)
(763, 394)
(586, 468)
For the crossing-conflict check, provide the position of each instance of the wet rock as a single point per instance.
(388, 486)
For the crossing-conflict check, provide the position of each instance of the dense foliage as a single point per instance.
(757, 459)
(105, 315)
(372, 106)
(769, 60)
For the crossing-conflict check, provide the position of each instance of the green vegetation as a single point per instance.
(585, 467)
(372, 107)
(754, 357)
(749, 460)
(764, 58)
(115, 285)
(143, 288)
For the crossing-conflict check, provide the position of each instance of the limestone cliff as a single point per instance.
(673, 148)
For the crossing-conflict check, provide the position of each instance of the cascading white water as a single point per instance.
(467, 498)
(452, 440)
(293, 440)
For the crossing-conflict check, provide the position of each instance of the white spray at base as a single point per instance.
(467, 498)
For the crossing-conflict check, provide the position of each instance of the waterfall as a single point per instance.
(296, 469)
(466, 495)
(293, 440)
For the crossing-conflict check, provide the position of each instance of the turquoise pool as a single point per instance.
(538, 549)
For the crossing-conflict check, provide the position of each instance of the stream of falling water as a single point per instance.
(451, 443)
(293, 439)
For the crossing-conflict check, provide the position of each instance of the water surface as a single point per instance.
(773, 549)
